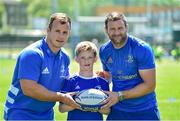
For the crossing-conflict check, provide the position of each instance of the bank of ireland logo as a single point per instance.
(109, 60)
(119, 71)
(130, 59)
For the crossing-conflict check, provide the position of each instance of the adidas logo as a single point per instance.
(77, 87)
(45, 71)
(109, 60)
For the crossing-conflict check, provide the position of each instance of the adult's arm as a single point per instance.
(148, 85)
(33, 89)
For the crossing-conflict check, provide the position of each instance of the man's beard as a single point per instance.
(120, 40)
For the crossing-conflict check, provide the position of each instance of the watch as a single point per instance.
(121, 95)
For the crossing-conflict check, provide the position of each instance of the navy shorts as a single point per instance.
(150, 114)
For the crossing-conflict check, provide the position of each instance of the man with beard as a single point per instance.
(130, 61)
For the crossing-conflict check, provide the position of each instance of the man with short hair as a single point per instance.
(39, 75)
(131, 63)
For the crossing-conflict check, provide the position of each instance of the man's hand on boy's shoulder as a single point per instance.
(104, 74)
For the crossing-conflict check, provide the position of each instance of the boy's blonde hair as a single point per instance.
(86, 46)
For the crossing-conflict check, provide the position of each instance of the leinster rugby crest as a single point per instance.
(130, 59)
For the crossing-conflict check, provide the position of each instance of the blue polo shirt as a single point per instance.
(124, 64)
(79, 83)
(38, 63)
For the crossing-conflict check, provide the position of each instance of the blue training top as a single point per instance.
(38, 63)
(78, 83)
(124, 64)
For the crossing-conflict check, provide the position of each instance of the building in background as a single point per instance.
(157, 22)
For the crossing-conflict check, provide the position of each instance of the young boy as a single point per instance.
(86, 56)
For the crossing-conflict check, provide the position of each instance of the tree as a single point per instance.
(1, 12)
(36, 8)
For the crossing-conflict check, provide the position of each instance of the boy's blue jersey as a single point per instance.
(124, 64)
(38, 63)
(78, 83)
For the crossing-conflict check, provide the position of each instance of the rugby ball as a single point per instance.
(91, 99)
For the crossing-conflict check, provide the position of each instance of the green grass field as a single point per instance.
(167, 89)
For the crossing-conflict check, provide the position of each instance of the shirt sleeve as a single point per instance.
(103, 60)
(29, 65)
(145, 57)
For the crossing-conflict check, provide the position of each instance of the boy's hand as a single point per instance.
(105, 111)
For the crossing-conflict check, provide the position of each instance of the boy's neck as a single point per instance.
(86, 73)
